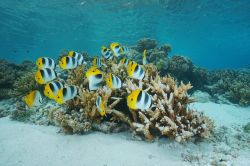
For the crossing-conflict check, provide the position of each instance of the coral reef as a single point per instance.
(223, 85)
(232, 84)
(177, 66)
(14, 79)
(169, 116)
(146, 44)
(183, 69)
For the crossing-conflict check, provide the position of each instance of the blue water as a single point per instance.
(214, 34)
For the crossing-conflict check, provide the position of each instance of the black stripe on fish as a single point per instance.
(67, 60)
(55, 73)
(49, 72)
(117, 47)
(136, 69)
(141, 71)
(98, 76)
(42, 73)
(139, 97)
(50, 61)
(73, 61)
(146, 98)
(106, 53)
(74, 54)
(51, 86)
(43, 60)
(64, 92)
(58, 85)
(72, 90)
(80, 57)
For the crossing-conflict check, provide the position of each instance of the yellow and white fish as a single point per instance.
(42, 76)
(33, 98)
(66, 94)
(139, 99)
(107, 53)
(78, 56)
(135, 71)
(95, 78)
(68, 62)
(51, 89)
(116, 49)
(113, 82)
(144, 58)
(45, 62)
(124, 61)
(97, 62)
(100, 106)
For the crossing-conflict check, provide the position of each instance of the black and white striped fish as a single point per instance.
(78, 56)
(107, 53)
(45, 62)
(51, 89)
(65, 94)
(135, 71)
(68, 62)
(138, 99)
(43, 76)
(95, 78)
(113, 82)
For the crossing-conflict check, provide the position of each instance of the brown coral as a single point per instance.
(169, 116)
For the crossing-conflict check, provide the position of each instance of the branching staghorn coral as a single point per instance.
(169, 116)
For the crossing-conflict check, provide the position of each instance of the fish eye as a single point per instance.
(132, 99)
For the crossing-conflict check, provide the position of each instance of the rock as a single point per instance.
(247, 128)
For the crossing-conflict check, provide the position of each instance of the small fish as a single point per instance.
(97, 62)
(107, 53)
(126, 50)
(144, 59)
(33, 98)
(78, 56)
(95, 78)
(43, 76)
(45, 62)
(135, 71)
(68, 62)
(124, 61)
(113, 82)
(51, 89)
(66, 94)
(139, 99)
(100, 106)
(116, 49)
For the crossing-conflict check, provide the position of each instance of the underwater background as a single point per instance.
(214, 34)
(125, 82)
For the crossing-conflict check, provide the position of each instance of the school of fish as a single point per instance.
(56, 90)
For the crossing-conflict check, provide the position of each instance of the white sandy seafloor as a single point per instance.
(25, 144)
